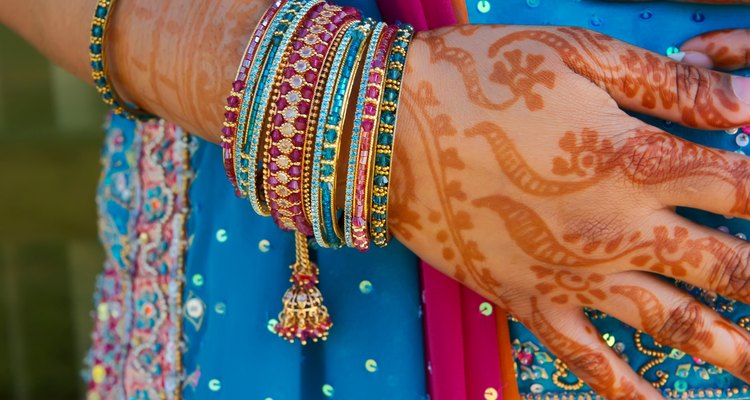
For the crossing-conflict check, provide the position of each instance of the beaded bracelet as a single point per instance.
(99, 67)
(353, 150)
(367, 129)
(290, 121)
(330, 125)
(250, 122)
(385, 139)
(231, 114)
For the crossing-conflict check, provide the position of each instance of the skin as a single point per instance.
(515, 172)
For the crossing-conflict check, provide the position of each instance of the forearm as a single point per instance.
(172, 58)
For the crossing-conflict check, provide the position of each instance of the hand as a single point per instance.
(517, 173)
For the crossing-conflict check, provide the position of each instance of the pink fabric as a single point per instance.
(480, 346)
(409, 11)
(441, 298)
(438, 13)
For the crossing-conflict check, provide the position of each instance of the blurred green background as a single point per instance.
(50, 137)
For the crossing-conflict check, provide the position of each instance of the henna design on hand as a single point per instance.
(582, 287)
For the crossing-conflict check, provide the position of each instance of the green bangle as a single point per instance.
(386, 136)
(99, 71)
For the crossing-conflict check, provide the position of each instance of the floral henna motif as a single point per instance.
(523, 76)
(520, 77)
(582, 287)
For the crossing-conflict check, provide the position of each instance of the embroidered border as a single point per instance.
(143, 207)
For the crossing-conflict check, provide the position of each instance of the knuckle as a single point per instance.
(693, 84)
(681, 325)
(731, 274)
(589, 364)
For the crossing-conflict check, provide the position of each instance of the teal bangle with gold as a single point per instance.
(386, 136)
(330, 127)
(99, 70)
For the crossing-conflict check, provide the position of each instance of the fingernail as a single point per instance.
(741, 87)
(677, 56)
(692, 58)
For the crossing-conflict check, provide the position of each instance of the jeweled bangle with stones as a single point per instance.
(328, 140)
(386, 136)
(367, 129)
(255, 100)
(355, 139)
(99, 66)
(320, 108)
(231, 114)
(291, 121)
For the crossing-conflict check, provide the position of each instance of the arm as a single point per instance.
(515, 171)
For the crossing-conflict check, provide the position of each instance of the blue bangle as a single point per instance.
(99, 70)
(324, 218)
(353, 150)
(385, 138)
(251, 115)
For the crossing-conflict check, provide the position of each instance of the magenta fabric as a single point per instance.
(444, 339)
(438, 13)
(481, 352)
(409, 11)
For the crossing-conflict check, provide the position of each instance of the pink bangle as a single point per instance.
(292, 114)
(232, 108)
(366, 150)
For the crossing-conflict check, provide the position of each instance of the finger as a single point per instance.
(701, 256)
(693, 58)
(727, 49)
(682, 173)
(674, 318)
(573, 338)
(646, 82)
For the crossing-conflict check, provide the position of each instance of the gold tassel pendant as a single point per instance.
(304, 316)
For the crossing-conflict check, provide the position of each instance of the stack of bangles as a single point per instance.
(296, 89)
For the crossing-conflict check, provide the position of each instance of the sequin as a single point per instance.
(672, 50)
(143, 237)
(723, 229)
(610, 339)
(595, 21)
(221, 235)
(194, 308)
(486, 309)
(264, 246)
(646, 14)
(533, 3)
(371, 365)
(214, 385)
(742, 139)
(732, 131)
(699, 17)
(484, 6)
(327, 390)
(680, 386)
(98, 373)
(490, 394)
(198, 280)
(536, 388)
(102, 312)
(365, 287)
(220, 308)
(741, 235)
(271, 326)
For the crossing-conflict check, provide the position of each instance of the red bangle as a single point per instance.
(291, 115)
(238, 87)
(366, 148)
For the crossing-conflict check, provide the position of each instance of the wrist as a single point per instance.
(174, 59)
